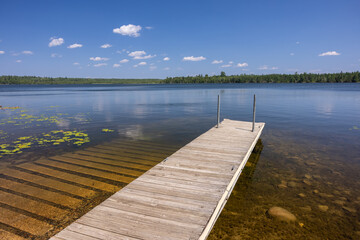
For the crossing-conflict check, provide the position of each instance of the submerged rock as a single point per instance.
(307, 182)
(281, 214)
(325, 195)
(283, 184)
(308, 176)
(323, 208)
(302, 195)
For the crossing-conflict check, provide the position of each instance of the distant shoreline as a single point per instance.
(347, 77)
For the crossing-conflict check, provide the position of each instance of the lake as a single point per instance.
(64, 149)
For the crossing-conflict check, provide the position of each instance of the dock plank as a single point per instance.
(179, 198)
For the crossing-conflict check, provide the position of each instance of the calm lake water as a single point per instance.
(308, 161)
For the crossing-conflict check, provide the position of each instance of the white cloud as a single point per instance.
(76, 63)
(106, 46)
(140, 55)
(226, 65)
(152, 68)
(166, 59)
(124, 61)
(75, 45)
(231, 62)
(128, 30)
(330, 53)
(145, 57)
(100, 64)
(194, 59)
(266, 67)
(149, 28)
(18, 61)
(116, 65)
(2, 52)
(292, 54)
(98, 59)
(27, 52)
(56, 42)
(54, 55)
(242, 64)
(23, 52)
(137, 53)
(167, 68)
(140, 64)
(217, 61)
(298, 42)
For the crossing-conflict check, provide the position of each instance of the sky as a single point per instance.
(159, 39)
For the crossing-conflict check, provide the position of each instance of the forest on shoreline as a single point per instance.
(347, 77)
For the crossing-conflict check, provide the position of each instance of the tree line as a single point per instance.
(347, 77)
(49, 80)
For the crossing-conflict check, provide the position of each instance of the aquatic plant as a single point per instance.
(55, 137)
(107, 130)
(8, 108)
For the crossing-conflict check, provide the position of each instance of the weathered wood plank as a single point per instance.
(97, 232)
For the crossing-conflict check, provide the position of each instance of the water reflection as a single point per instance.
(134, 132)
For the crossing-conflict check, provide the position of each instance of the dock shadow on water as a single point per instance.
(40, 197)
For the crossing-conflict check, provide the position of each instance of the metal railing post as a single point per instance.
(218, 111)
(254, 110)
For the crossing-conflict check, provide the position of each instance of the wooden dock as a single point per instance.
(179, 198)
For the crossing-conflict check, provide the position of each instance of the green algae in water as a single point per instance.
(107, 130)
(55, 137)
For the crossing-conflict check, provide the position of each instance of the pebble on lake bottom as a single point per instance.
(302, 195)
(281, 214)
(323, 208)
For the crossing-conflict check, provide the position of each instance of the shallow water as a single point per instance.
(310, 146)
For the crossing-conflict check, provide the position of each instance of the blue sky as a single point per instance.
(177, 38)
